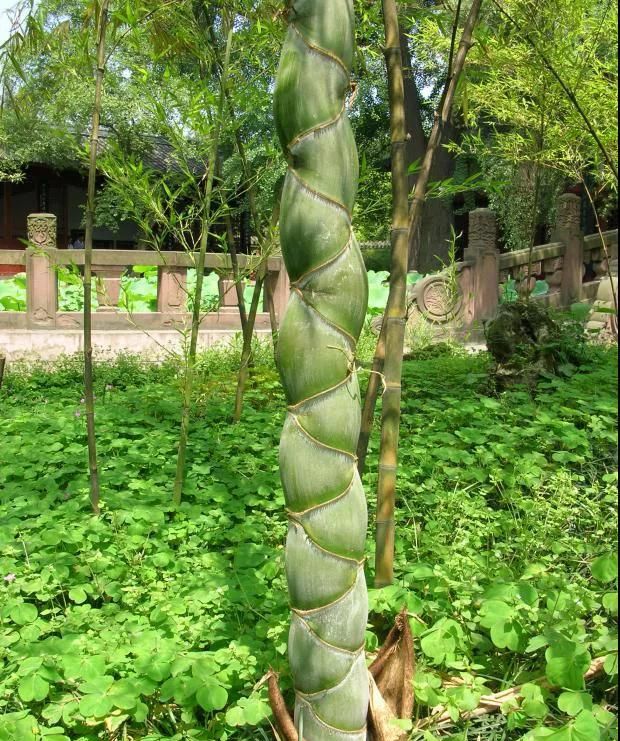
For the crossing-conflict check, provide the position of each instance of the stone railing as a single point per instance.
(42, 260)
(572, 265)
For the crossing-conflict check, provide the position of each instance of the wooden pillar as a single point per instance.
(41, 277)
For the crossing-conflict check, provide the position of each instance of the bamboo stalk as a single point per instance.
(396, 312)
(415, 216)
(395, 317)
(316, 358)
(188, 385)
(89, 396)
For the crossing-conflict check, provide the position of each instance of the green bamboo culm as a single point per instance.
(316, 351)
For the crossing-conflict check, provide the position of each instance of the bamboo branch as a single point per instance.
(569, 93)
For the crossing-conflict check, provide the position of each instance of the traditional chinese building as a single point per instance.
(45, 189)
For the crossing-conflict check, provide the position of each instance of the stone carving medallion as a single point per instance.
(438, 300)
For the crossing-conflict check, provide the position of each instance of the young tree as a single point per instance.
(204, 117)
(324, 495)
(101, 16)
(205, 226)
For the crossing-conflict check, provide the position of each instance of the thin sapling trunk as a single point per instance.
(89, 395)
(188, 383)
(234, 259)
(246, 353)
(265, 240)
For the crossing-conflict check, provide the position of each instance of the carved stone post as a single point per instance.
(228, 295)
(483, 252)
(41, 277)
(172, 290)
(108, 286)
(568, 231)
(280, 287)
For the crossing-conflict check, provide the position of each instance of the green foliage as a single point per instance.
(379, 260)
(506, 524)
(518, 125)
(13, 293)
(163, 625)
(138, 291)
(155, 614)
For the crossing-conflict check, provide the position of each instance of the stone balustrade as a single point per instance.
(464, 295)
(468, 293)
(42, 260)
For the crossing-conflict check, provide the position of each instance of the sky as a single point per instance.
(5, 26)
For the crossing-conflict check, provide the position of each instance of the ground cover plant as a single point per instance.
(146, 624)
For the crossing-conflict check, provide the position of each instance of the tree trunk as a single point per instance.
(188, 384)
(316, 351)
(246, 353)
(416, 138)
(434, 231)
(89, 396)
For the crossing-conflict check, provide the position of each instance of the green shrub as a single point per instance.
(379, 260)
